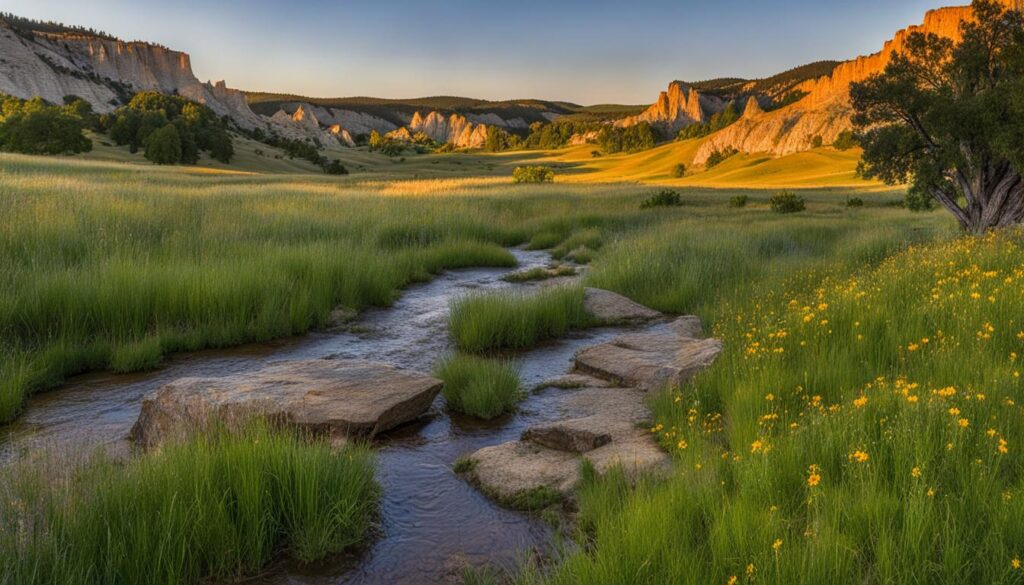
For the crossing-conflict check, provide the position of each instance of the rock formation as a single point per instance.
(336, 398)
(677, 108)
(454, 129)
(602, 409)
(825, 109)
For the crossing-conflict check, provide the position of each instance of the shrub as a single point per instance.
(516, 320)
(32, 127)
(846, 140)
(208, 510)
(335, 168)
(720, 156)
(738, 201)
(854, 202)
(163, 146)
(595, 154)
(787, 202)
(663, 198)
(479, 387)
(817, 141)
(533, 174)
(679, 171)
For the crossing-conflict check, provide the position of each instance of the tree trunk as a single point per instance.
(994, 198)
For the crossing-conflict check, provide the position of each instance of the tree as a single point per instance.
(335, 168)
(33, 127)
(163, 146)
(949, 119)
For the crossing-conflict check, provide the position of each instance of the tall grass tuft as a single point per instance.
(516, 320)
(480, 387)
(214, 508)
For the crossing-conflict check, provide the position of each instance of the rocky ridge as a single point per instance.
(825, 109)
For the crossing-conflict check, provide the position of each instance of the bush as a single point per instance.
(817, 141)
(209, 510)
(533, 174)
(515, 320)
(720, 156)
(163, 146)
(679, 171)
(663, 198)
(846, 140)
(595, 154)
(854, 202)
(32, 127)
(787, 202)
(335, 168)
(738, 201)
(479, 387)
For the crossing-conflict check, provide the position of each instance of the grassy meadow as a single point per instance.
(862, 425)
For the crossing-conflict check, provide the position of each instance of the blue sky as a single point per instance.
(588, 52)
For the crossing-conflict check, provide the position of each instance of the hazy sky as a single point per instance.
(585, 51)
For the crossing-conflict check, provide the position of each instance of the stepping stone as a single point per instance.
(511, 470)
(577, 435)
(649, 361)
(609, 307)
(572, 381)
(336, 398)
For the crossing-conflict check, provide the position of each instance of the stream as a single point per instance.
(432, 522)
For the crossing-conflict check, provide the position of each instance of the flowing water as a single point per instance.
(432, 522)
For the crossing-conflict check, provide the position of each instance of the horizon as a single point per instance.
(588, 64)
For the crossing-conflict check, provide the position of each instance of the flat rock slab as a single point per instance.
(572, 381)
(609, 307)
(649, 361)
(337, 398)
(576, 435)
(510, 470)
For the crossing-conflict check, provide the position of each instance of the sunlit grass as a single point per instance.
(514, 320)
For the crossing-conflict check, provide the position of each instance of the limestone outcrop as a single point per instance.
(600, 422)
(335, 398)
(678, 107)
(454, 129)
(825, 109)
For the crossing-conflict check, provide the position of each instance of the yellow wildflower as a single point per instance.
(777, 544)
(915, 472)
(859, 456)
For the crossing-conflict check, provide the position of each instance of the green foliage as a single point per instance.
(552, 135)
(663, 198)
(163, 146)
(635, 138)
(540, 273)
(533, 174)
(197, 127)
(499, 140)
(787, 202)
(720, 156)
(718, 121)
(679, 171)
(516, 320)
(846, 140)
(33, 127)
(949, 119)
(212, 509)
(335, 168)
(738, 201)
(480, 387)
(854, 202)
(817, 141)
(917, 199)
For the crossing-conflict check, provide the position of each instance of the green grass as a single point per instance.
(480, 387)
(863, 425)
(515, 320)
(540, 273)
(114, 266)
(214, 508)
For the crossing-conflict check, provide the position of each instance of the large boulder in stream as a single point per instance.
(334, 398)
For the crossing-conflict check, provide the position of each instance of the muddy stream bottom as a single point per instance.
(432, 523)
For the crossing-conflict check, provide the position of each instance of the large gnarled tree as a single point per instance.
(949, 119)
